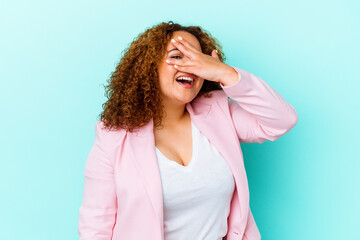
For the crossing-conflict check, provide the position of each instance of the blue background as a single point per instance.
(55, 56)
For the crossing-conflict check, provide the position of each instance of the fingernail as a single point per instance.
(216, 51)
(173, 40)
(179, 37)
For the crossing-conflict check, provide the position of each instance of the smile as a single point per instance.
(186, 82)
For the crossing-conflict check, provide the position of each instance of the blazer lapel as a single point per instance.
(215, 126)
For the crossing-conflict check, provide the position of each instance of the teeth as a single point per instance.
(185, 78)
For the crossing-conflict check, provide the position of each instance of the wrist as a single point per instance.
(229, 77)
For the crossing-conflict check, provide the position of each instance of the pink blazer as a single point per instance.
(122, 196)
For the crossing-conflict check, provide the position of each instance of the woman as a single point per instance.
(166, 162)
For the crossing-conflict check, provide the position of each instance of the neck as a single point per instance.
(175, 114)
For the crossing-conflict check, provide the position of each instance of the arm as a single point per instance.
(259, 113)
(251, 230)
(98, 209)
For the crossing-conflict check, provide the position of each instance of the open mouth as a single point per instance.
(185, 80)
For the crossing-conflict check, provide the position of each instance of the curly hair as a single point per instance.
(133, 90)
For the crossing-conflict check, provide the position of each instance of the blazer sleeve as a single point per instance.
(258, 112)
(98, 209)
(251, 230)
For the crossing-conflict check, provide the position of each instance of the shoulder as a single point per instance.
(104, 132)
(109, 139)
(217, 97)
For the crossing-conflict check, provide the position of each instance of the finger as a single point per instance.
(183, 68)
(186, 51)
(214, 54)
(187, 44)
(175, 61)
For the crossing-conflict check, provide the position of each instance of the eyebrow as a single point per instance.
(173, 49)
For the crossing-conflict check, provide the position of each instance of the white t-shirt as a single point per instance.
(196, 197)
